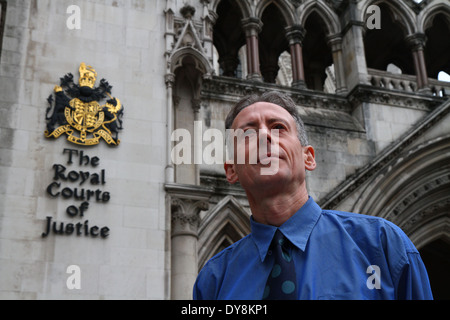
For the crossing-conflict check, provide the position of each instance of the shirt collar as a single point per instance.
(297, 229)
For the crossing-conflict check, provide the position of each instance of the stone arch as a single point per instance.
(201, 63)
(434, 21)
(389, 44)
(285, 7)
(189, 68)
(414, 192)
(329, 17)
(228, 34)
(427, 233)
(244, 7)
(399, 12)
(223, 225)
(272, 40)
(428, 13)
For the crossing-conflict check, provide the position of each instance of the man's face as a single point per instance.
(291, 159)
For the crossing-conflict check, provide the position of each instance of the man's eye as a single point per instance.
(279, 126)
(249, 132)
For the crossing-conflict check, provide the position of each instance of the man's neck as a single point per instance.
(278, 208)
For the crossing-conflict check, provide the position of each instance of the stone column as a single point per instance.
(170, 81)
(252, 27)
(198, 136)
(185, 203)
(354, 56)
(417, 43)
(335, 43)
(295, 36)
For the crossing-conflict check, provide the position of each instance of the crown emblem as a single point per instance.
(75, 110)
(88, 75)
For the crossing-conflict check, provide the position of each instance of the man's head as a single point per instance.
(268, 113)
(274, 97)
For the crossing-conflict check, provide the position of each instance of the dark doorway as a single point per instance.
(436, 257)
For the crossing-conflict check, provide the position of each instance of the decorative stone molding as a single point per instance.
(416, 194)
(231, 90)
(381, 162)
(186, 202)
(224, 224)
(186, 36)
(386, 96)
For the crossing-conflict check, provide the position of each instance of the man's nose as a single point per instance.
(265, 140)
(264, 133)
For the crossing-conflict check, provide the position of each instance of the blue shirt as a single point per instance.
(337, 255)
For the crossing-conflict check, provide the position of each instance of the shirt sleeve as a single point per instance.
(204, 287)
(414, 283)
(197, 293)
(409, 273)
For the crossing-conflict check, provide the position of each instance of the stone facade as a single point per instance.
(381, 138)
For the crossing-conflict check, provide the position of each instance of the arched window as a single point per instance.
(437, 46)
(388, 44)
(228, 37)
(272, 42)
(316, 52)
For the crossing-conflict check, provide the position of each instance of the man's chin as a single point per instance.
(273, 176)
(269, 168)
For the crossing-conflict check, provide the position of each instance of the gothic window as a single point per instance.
(388, 45)
(272, 42)
(437, 46)
(228, 38)
(316, 52)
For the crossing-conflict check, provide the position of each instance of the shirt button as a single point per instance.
(269, 252)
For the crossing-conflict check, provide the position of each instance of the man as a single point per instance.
(317, 254)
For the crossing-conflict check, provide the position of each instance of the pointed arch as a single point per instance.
(399, 11)
(437, 229)
(434, 20)
(332, 24)
(202, 64)
(320, 25)
(414, 192)
(391, 43)
(286, 8)
(272, 41)
(426, 16)
(225, 224)
(244, 6)
(189, 44)
(229, 36)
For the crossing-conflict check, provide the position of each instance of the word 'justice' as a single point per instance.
(84, 185)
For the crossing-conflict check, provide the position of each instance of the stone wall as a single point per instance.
(123, 41)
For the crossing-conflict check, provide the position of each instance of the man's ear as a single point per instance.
(230, 172)
(309, 158)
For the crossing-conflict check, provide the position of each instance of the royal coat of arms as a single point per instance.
(77, 111)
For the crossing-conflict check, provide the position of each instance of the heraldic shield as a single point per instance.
(75, 110)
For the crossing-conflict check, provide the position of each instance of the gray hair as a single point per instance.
(274, 97)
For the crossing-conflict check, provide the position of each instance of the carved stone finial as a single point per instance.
(187, 11)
